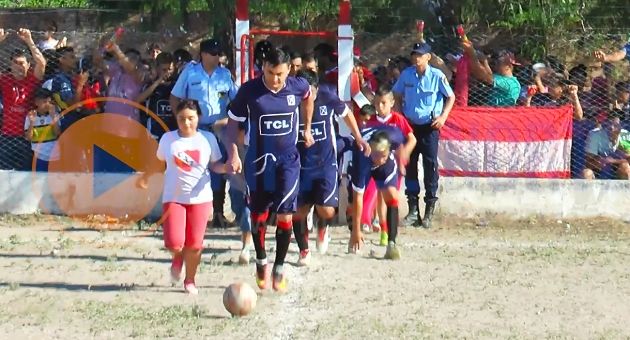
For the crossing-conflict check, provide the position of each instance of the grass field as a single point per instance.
(467, 278)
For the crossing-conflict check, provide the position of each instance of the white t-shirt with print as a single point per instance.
(47, 44)
(187, 175)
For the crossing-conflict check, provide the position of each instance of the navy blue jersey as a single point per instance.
(272, 118)
(324, 151)
(395, 135)
(362, 167)
(159, 104)
(396, 138)
(344, 144)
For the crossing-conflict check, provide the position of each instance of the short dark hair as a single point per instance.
(181, 55)
(383, 90)
(261, 49)
(325, 50)
(578, 74)
(19, 53)
(295, 55)
(277, 56)
(51, 26)
(188, 104)
(154, 46)
(554, 82)
(42, 93)
(308, 57)
(310, 76)
(367, 110)
(62, 50)
(137, 56)
(164, 58)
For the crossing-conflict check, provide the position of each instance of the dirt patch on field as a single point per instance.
(488, 277)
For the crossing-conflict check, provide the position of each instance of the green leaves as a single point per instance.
(44, 3)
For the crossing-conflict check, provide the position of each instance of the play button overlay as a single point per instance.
(99, 173)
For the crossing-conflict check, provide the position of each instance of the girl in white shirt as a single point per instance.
(189, 154)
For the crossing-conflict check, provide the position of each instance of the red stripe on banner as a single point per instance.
(344, 12)
(242, 10)
(514, 124)
(542, 174)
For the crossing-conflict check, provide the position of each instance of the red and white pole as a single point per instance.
(345, 43)
(241, 28)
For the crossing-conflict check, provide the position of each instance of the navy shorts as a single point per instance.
(272, 182)
(384, 176)
(319, 186)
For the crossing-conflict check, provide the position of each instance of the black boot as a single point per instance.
(218, 196)
(413, 217)
(429, 211)
(219, 221)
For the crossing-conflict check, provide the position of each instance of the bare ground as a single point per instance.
(467, 278)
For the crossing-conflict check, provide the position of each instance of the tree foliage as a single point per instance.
(538, 22)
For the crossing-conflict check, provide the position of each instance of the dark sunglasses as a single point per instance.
(212, 53)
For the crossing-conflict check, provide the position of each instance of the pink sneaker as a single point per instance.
(190, 288)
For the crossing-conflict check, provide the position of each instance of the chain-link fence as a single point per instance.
(499, 127)
(559, 116)
(45, 74)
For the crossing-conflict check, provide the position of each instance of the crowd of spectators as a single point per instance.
(48, 76)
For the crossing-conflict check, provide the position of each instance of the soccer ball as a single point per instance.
(239, 299)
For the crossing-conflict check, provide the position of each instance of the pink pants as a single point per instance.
(369, 201)
(185, 224)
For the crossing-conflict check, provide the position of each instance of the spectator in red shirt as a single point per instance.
(92, 88)
(17, 88)
(366, 78)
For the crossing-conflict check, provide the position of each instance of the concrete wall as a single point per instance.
(27, 193)
(527, 197)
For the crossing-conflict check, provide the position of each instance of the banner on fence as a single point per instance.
(507, 142)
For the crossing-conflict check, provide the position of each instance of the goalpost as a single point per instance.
(344, 35)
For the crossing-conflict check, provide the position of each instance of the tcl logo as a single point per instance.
(276, 124)
(318, 131)
(163, 107)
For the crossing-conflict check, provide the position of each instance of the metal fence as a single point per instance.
(570, 74)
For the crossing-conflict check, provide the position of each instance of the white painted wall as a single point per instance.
(27, 193)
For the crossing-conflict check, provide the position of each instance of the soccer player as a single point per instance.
(320, 171)
(381, 166)
(384, 102)
(270, 106)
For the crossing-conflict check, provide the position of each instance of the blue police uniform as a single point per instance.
(213, 92)
(423, 100)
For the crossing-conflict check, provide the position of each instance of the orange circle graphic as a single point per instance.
(74, 184)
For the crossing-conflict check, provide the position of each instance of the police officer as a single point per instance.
(426, 99)
(207, 82)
